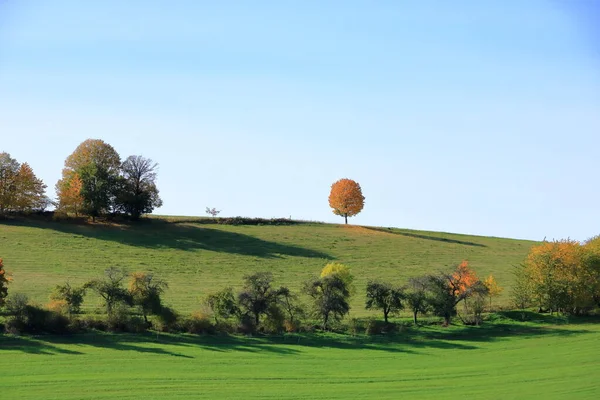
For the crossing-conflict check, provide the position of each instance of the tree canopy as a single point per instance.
(346, 198)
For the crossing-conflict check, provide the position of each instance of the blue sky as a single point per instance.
(475, 117)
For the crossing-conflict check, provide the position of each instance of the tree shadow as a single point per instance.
(410, 340)
(158, 234)
(426, 237)
(32, 346)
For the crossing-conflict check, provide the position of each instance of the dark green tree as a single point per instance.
(145, 291)
(73, 296)
(111, 289)
(222, 304)
(330, 295)
(137, 193)
(385, 297)
(258, 295)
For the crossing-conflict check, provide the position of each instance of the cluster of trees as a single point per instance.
(560, 276)
(20, 189)
(260, 305)
(94, 182)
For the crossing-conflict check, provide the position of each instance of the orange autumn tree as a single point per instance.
(463, 278)
(4, 281)
(346, 198)
(69, 195)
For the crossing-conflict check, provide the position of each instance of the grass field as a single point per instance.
(197, 258)
(503, 359)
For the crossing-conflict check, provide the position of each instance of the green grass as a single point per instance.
(503, 359)
(197, 258)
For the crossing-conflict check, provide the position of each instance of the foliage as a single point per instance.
(346, 198)
(69, 194)
(222, 304)
(342, 271)
(145, 291)
(416, 296)
(20, 189)
(289, 303)
(564, 276)
(258, 296)
(330, 296)
(111, 289)
(385, 297)
(493, 288)
(72, 296)
(4, 281)
(137, 193)
(445, 291)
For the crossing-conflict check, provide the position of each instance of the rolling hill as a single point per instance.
(196, 258)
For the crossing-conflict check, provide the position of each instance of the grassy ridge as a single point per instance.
(196, 258)
(504, 359)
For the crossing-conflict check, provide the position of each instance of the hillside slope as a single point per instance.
(198, 258)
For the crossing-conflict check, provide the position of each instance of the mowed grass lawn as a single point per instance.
(500, 361)
(196, 259)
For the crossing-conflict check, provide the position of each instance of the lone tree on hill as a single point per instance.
(346, 198)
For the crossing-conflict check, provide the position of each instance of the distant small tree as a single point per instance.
(111, 289)
(212, 211)
(145, 291)
(493, 288)
(330, 295)
(416, 296)
(4, 281)
(222, 304)
(72, 296)
(258, 295)
(385, 297)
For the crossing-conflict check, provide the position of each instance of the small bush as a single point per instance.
(377, 327)
(246, 325)
(167, 320)
(291, 326)
(355, 327)
(199, 323)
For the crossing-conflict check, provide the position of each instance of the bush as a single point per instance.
(291, 326)
(377, 327)
(199, 323)
(33, 319)
(167, 320)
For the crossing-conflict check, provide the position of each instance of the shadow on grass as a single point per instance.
(409, 340)
(426, 237)
(157, 234)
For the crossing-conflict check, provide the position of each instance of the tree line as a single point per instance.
(94, 182)
(259, 306)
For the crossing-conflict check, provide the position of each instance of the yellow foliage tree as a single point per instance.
(346, 198)
(342, 271)
(564, 275)
(4, 281)
(493, 288)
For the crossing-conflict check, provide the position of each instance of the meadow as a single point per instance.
(503, 359)
(543, 356)
(196, 258)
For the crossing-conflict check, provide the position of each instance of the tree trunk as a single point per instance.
(385, 316)
(346, 218)
(415, 317)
